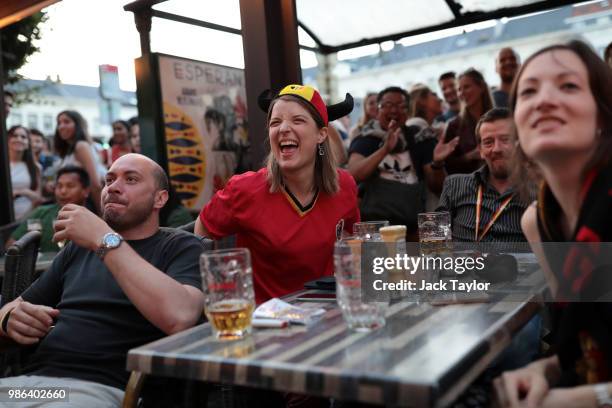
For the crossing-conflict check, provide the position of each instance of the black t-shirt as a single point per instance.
(421, 151)
(583, 338)
(98, 324)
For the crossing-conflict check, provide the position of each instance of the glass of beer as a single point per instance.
(369, 230)
(229, 299)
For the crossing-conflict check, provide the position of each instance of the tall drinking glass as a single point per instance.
(34, 224)
(369, 230)
(435, 238)
(229, 300)
(358, 315)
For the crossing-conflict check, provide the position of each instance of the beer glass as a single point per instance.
(229, 299)
(369, 230)
(359, 315)
(435, 238)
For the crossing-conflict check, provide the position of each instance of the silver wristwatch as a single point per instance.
(110, 241)
(604, 399)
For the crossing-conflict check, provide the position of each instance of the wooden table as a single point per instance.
(44, 261)
(424, 356)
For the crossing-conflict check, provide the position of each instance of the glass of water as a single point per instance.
(435, 239)
(359, 315)
(62, 243)
(34, 224)
(369, 230)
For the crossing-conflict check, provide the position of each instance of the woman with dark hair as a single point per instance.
(25, 172)
(74, 147)
(475, 101)
(120, 141)
(290, 212)
(562, 107)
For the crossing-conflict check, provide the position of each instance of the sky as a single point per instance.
(80, 35)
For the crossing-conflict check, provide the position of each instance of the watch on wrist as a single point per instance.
(604, 399)
(110, 241)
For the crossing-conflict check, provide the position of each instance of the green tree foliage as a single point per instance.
(18, 44)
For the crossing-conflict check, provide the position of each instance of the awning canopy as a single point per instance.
(340, 25)
(12, 11)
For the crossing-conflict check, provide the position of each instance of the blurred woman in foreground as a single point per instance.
(562, 104)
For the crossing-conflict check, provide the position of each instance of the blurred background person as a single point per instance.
(71, 187)
(173, 214)
(25, 172)
(119, 142)
(74, 147)
(448, 86)
(370, 110)
(507, 64)
(135, 134)
(475, 101)
(9, 100)
(40, 149)
(608, 55)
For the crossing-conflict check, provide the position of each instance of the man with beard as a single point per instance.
(392, 165)
(506, 65)
(484, 205)
(119, 283)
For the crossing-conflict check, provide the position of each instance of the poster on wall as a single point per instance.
(205, 118)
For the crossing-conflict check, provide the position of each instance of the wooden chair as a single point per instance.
(19, 273)
(133, 389)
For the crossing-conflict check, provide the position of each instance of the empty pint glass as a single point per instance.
(358, 314)
(229, 300)
(435, 240)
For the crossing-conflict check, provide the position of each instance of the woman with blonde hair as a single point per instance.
(562, 107)
(475, 101)
(289, 213)
(370, 111)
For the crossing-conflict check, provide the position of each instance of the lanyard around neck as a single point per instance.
(496, 214)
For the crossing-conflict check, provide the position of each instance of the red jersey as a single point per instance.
(289, 245)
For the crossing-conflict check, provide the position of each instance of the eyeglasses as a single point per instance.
(390, 105)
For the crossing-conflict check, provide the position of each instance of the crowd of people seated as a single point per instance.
(37, 162)
(122, 281)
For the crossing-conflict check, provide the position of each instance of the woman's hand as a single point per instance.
(443, 150)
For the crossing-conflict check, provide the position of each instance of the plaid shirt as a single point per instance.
(459, 199)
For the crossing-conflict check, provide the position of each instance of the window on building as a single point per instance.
(32, 120)
(47, 124)
(15, 118)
